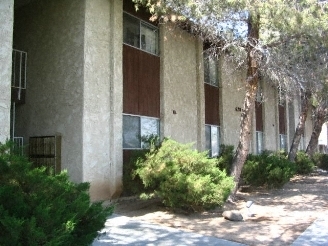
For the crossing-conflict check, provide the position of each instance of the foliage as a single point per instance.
(225, 158)
(280, 39)
(183, 177)
(41, 209)
(272, 170)
(321, 160)
(132, 185)
(290, 32)
(304, 164)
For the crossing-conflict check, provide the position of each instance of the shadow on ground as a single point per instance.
(280, 216)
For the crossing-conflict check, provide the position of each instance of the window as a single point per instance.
(281, 96)
(137, 127)
(259, 94)
(140, 34)
(259, 120)
(18, 75)
(282, 118)
(283, 142)
(302, 145)
(259, 142)
(211, 75)
(212, 139)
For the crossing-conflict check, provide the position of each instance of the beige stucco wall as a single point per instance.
(6, 37)
(75, 86)
(232, 94)
(102, 107)
(270, 115)
(182, 87)
(52, 33)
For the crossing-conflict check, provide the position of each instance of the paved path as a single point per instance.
(316, 234)
(122, 230)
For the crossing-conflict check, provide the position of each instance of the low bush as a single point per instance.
(304, 164)
(225, 158)
(132, 185)
(41, 209)
(272, 170)
(321, 160)
(183, 177)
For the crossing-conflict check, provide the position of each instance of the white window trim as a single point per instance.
(207, 56)
(261, 149)
(283, 136)
(219, 139)
(142, 22)
(139, 116)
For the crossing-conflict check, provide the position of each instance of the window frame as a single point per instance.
(281, 96)
(142, 23)
(283, 145)
(259, 144)
(208, 58)
(142, 144)
(210, 151)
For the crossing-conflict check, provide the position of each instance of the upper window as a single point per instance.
(211, 73)
(140, 34)
(281, 96)
(259, 94)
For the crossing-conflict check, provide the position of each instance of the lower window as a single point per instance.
(283, 142)
(138, 128)
(212, 139)
(259, 142)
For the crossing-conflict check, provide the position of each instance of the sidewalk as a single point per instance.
(122, 230)
(316, 234)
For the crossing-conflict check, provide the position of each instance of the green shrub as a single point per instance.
(304, 164)
(132, 185)
(272, 170)
(321, 160)
(184, 178)
(225, 158)
(41, 209)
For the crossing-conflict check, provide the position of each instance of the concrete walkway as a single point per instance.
(316, 234)
(122, 230)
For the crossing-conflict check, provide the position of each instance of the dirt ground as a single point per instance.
(280, 216)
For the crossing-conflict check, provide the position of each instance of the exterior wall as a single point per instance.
(52, 32)
(6, 37)
(271, 141)
(182, 87)
(232, 94)
(74, 86)
(102, 118)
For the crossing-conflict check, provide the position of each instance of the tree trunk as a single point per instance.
(249, 101)
(320, 116)
(301, 125)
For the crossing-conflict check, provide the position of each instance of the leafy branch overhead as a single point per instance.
(292, 33)
(284, 41)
